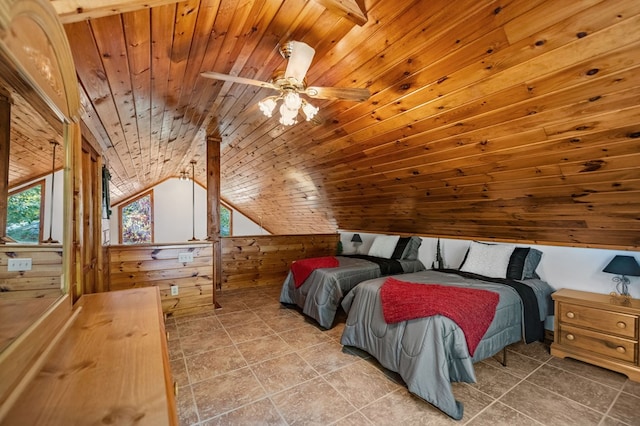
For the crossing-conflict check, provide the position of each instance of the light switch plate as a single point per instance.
(174, 290)
(185, 257)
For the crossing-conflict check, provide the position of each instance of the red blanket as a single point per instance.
(301, 269)
(472, 309)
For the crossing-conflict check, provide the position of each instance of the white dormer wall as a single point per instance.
(562, 267)
(173, 214)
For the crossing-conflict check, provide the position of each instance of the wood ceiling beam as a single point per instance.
(352, 10)
(81, 10)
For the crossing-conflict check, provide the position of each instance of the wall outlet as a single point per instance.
(174, 290)
(185, 257)
(19, 264)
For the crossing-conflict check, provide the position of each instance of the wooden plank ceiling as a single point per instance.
(515, 120)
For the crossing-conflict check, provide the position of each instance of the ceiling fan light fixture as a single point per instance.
(267, 105)
(303, 54)
(292, 101)
(309, 110)
(287, 115)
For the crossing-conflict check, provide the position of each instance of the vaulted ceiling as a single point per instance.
(511, 119)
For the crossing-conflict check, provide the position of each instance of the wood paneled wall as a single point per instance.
(265, 259)
(132, 266)
(44, 278)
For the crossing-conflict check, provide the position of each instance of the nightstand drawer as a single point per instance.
(594, 342)
(598, 319)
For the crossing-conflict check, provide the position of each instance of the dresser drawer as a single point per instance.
(594, 342)
(598, 319)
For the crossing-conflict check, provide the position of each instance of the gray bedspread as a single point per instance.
(430, 353)
(321, 293)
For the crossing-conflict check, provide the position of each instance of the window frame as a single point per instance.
(153, 215)
(43, 187)
(228, 207)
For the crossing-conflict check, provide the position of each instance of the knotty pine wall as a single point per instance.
(246, 262)
(265, 259)
(42, 281)
(132, 266)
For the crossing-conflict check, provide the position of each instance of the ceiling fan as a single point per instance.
(291, 84)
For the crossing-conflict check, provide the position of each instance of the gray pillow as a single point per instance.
(523, 263)
(411, 250)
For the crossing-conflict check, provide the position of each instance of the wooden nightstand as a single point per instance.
(599, 329)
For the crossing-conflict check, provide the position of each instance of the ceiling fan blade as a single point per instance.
(341, 93)
(300, 56)
(235, 79)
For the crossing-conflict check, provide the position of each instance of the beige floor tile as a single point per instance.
(632, 388)
(548, 407)
(499, 414)
(259, 413)
(226, 392)
(360, 383)
(472, 400)
(237, 318)
(199, 315)
(228, 307)
(627, 409)
(283, 372)
(493, 381)
(329, 356)
(355, 419)
(187, 412)
(203, 342)
(175, 350)
(536, 350)
(281, 323)
(593, 372)
(275, 310)
(213, 363)
(249, 331)
(198, 326)
(608, 421)
(576, 388)
(402, 408)
(302, 338)
(517, 364)
(179, 372)
(313, 402)
(267, 347)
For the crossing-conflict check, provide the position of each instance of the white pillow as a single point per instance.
(383, 246)
(490, 260)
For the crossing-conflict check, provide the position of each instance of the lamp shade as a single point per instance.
(356, 238)
(623, 265)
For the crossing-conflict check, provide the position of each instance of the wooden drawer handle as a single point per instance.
(571, 315)
(571, 337)
(175, 388)
(621, 349)
(621, 324)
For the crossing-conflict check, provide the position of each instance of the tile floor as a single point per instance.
(254, 362)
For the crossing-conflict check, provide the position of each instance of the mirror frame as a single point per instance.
(36, 60)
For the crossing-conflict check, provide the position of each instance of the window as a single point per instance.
(24, 214)
(136, 220)
(225, 221)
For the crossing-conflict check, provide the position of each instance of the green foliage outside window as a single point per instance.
(225, 222)
(136, 221)
(23, 215)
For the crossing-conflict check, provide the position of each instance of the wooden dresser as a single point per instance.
(109, 366)
(599, 329)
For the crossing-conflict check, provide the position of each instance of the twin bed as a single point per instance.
(320, 293)
(404, 321)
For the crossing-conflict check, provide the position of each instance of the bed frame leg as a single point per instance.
(504, 357)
